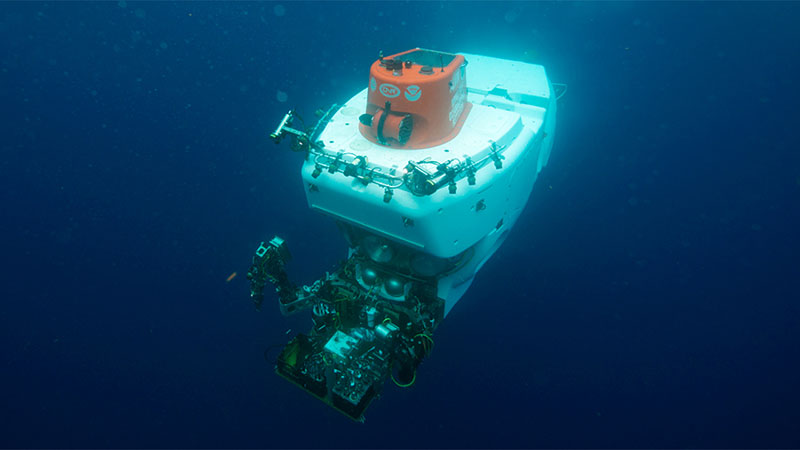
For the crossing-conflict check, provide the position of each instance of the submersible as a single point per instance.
(425, 171)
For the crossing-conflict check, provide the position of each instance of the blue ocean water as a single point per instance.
(648, 296)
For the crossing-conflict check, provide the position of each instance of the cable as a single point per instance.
(426, 345)
(413, 379)
(430, 339)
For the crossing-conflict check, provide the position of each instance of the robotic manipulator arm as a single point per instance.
(268, 266)
(303, 141)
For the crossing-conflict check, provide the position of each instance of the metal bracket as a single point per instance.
(494, 153)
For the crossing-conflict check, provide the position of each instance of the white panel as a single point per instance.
(512, 107)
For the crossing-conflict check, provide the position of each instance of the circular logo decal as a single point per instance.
(389, 90)
(413, 93)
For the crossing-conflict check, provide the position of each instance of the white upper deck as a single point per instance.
(512, 117)
(505, 96)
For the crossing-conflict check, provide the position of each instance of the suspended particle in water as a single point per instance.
(511, 16)
(281, 96)
(279, 10)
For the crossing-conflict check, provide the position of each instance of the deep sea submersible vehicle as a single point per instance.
(425, 171)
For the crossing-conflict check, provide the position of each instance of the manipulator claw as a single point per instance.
(278, 248)
(268, 266)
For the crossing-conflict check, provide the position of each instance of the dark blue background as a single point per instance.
(648, 296)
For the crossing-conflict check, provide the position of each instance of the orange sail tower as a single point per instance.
(417, 99)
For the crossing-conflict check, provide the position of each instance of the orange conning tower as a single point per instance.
(416, 99)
